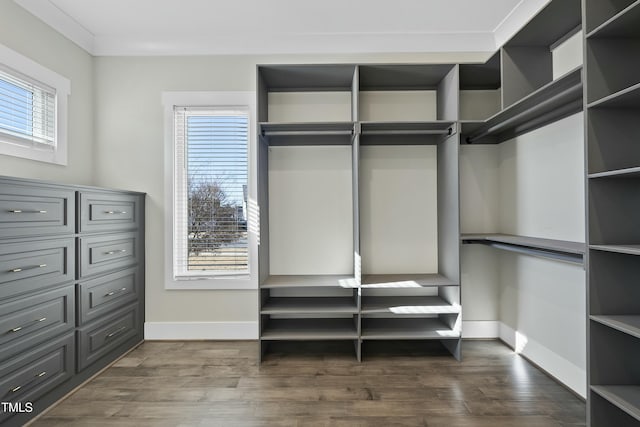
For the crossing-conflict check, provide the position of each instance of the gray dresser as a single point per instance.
(71, 288)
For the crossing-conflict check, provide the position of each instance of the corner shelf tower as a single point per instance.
(612, 99)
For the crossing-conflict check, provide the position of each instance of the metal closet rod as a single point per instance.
(306, 132)
(533, 109)
(447, 131)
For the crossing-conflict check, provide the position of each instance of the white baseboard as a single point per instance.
(201, 330)
(557, 366)
(480, 329)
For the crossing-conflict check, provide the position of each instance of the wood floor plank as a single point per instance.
(205, 384)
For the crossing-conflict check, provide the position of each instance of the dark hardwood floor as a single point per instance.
(221, 384)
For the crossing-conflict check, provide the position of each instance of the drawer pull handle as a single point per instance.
(112, 293)
(26, 325)
(117, 332)
(21, 211)
(115, 212)
(18, 270)
(35, 377)
(121, 251)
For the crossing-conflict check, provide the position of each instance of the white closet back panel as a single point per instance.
(398, 209)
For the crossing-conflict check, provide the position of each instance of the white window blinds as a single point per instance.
(27, 110)
(211, 178)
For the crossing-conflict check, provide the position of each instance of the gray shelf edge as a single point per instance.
(509, 112)
(407, 338)
(454, 309)
(615, 399)
(620, 249)
(618, 325)
(618, 173)
(440, 280)
(407, 332)
(310, 283)
(602, 102)
(341, 305)
(594, 33)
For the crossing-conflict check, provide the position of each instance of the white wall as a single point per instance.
(398, 209)
(30, 37)
(310, 210)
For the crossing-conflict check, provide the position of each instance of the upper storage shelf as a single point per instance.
(481, 76)
(407, 104)
(527, 58)
(534, 80)
(607, 18)
(624, 24)
(551, 102)
(306, 93)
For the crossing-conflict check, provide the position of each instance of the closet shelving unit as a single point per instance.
(612, 43)
(530, 96)
(521, 73)
(417, 304)
(308, 307)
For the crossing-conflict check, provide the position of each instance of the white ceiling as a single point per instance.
(187, 27)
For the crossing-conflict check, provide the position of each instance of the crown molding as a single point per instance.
(514, 21)
(48, 13)
(283, 43)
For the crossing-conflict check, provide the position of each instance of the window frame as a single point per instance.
(24, 68)
(246, 100)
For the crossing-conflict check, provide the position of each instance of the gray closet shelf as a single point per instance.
(623, 24)
(621, 249)
(320, 280)
(625, 397)
(619, 173)
(406, 329)
(626, 98)
(548, 248)
(555, 100)
(623, 323)
(307, 133)
(313, 305)
(309, 329)
(407, 305)
(405, 281)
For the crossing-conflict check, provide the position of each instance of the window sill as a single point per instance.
(213, 283)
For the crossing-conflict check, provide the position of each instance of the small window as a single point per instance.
(211, 191)
(27, 110)
(33, 103)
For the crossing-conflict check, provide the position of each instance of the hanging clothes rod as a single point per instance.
(409, 132)
(306, 132)
(567, 93)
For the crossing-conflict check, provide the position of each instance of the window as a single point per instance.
(212, 197)
(33, 102)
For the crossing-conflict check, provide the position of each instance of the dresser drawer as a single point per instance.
(30, 375)
(106, 334)
(108, 212)
(101, 254)
(32, 210)
(29, 266)
(27, 321)
(99, 296)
